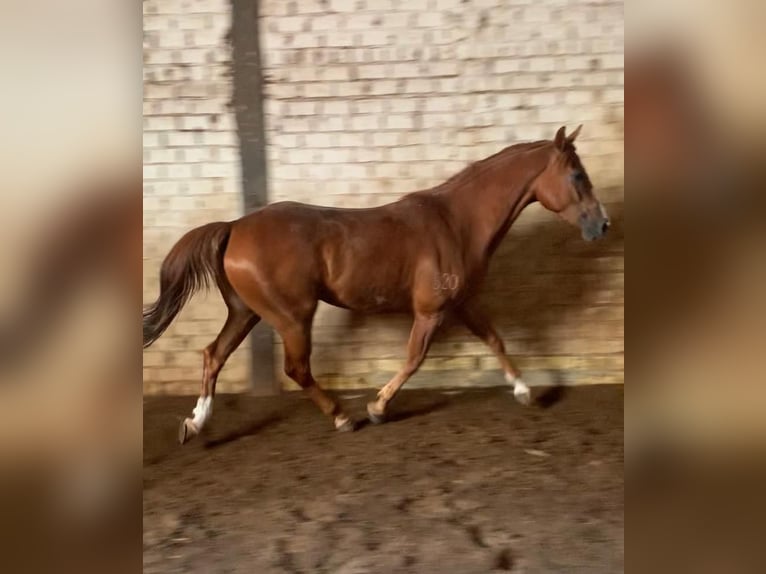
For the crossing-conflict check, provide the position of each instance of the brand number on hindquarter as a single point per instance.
(446, 282)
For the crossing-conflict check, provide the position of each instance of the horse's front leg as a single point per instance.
(479, 324)
(423, 329)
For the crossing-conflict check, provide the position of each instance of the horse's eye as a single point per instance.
(578, 177)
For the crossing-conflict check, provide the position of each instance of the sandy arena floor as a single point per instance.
(463, 483)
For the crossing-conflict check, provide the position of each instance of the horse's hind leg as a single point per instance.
(297, 341)
(238, 324)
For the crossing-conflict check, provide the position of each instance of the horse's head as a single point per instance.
(565, 188)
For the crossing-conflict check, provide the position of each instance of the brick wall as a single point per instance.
(369, 99)
(191, 174)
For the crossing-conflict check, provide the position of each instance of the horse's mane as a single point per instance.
(472, 171)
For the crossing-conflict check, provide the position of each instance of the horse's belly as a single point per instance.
(368, 294)
(366, 272)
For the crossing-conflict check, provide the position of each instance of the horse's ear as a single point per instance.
(571, 137)
(561, 138)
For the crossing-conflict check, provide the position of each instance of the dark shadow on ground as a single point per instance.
(543, 273)
(416, 411)
(251, 429)
(551, 396)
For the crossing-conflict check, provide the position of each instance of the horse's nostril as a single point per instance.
(604, 226)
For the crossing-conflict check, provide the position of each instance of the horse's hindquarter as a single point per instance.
(271, 256)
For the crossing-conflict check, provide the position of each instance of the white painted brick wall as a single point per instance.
(371, 99)
(191, 174)
(368, 100)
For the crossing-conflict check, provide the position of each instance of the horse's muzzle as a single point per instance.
(594, 225)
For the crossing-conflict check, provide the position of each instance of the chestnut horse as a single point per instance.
(426, 253)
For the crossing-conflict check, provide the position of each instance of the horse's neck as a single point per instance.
(486, 209)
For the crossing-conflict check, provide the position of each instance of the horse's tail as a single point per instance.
(192, 262)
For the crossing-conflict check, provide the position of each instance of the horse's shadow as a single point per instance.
(543, 276)
(250, 429)
(552, 395)
(410, 412)
(399, 414)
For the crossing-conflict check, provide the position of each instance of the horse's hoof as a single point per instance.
(348, 426)
(187, 431)
(375, 418)
(522, 395)
(344, 424)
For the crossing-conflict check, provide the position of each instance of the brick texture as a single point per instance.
(191, 174)
(367, 100)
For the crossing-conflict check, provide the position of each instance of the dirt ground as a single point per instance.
(458, 482)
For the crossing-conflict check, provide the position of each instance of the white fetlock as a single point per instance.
(520, 390)
(202, 412)
(341, 421)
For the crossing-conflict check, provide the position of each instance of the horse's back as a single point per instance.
(363, 259)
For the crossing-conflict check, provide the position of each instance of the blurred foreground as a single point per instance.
(70, 410)
(695, 174)
(695, 429)
(70, 240)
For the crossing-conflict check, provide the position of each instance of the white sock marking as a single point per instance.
(341, 420)
(202, 411)
(520, 390)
